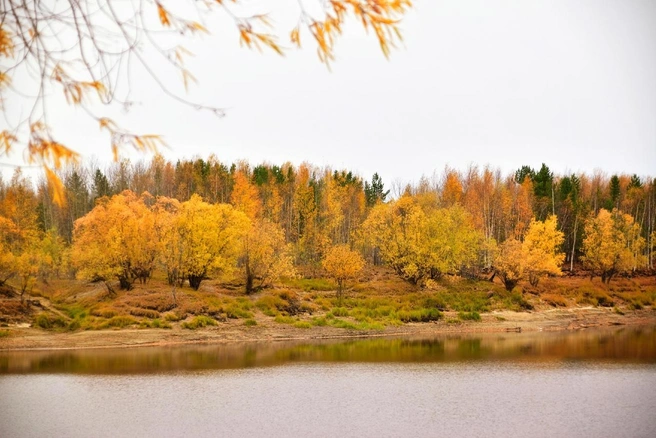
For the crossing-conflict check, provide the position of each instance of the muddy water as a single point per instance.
(589, 384)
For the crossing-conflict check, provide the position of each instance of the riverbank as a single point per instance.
(231, 331)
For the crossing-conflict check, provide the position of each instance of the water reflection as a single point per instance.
(624, 345)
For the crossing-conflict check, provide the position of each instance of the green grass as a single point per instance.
(302, 324)
(4, 333)
(119, 322)
(47, 322)
(199, 321)
(250, 323)
(469, 316)
(310, 284)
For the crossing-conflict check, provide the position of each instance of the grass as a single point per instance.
(4, 333)
(469, 316)
(46, 321)
(198, 322)
(379, 300)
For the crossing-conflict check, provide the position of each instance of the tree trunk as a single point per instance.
(571, 259)
(195, 280)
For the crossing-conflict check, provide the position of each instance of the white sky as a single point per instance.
(505, 83)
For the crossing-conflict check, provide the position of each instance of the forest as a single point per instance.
(194, 219)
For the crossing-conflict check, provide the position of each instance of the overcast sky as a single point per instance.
(505, 83)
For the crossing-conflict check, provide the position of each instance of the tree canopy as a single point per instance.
(85, 53)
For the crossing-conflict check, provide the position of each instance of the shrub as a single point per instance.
(4, 333)
(45, 321)
(74, 325)
(172, 317)
(422, 315)
(158, 323)
(302, 324)
(198, 322)
(282, 319)
(469, 316)
(340, 311)
(554, 300)
(250, 323)
(119, 322)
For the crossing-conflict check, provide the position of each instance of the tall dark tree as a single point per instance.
(375, 192)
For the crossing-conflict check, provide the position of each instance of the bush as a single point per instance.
(119, 322)
(45, 321)
(469, 316)
(198, 322)
(4, 333)
(282, 319)
(422, 315)
(302, 324)
(250, 323)
(158, 323)
(340, 311)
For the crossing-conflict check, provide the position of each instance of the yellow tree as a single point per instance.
(116, 240)
(509, 263)
(7, 257)
(612, 244)
(452, 243)
(208, 238)
(245, 196)
(342, 264)
(84, 51)
(540, 249)
(398, 230)
(169, 251)
(265, 257)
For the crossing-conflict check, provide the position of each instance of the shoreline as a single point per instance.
(563, 319)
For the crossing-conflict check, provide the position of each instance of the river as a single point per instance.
(592, 383)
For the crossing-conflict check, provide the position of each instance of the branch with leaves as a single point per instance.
(86, 50)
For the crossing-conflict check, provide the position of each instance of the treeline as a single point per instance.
(459, 222)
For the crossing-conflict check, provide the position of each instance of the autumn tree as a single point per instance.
(541, 249)
(83, 52)
(8, 260)
(342, 264)
(208, 238)
(534, 257)
(265, 257)
(422, 245)
(116, 240)
(509, 263)
(612, 244)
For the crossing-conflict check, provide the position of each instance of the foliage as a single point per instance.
(536, 256)
(116, 240)
(265, 256)
(205, 240)
(422, 245)
(540, 249)
(342, 264)
(85, 51)
(612, 245)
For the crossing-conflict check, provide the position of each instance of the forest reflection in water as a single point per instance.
(622, 345)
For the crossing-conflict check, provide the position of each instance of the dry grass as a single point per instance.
(378, 300)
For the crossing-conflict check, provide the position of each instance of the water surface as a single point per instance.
(591, 383)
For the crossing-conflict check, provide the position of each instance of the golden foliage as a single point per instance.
(538, 255)
(342, 264)
(206, 240)
(116, 240)
(540, 247)
(265, 257)
(612, 245)
(422, 245)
